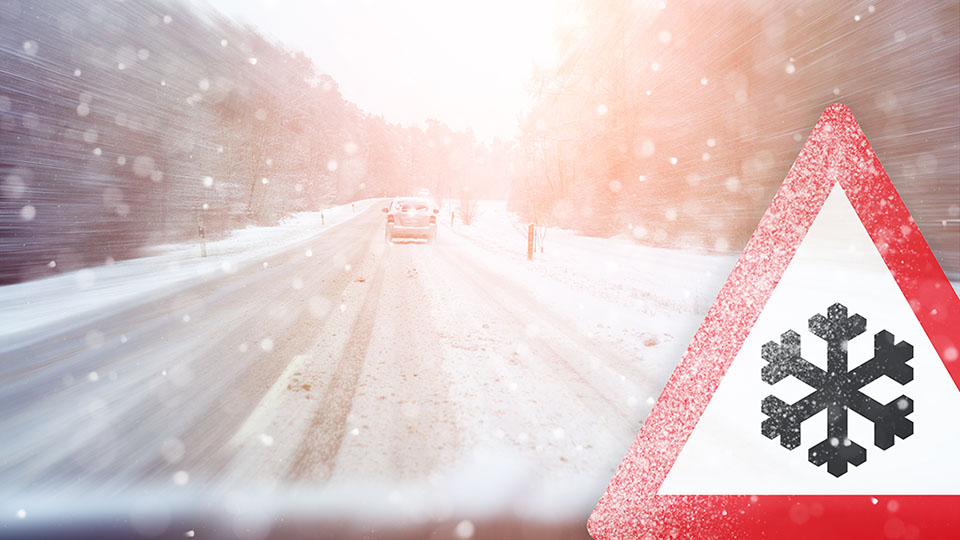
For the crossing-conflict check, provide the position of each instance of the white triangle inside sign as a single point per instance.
(727, 452)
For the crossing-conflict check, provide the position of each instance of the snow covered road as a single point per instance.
(417, 378)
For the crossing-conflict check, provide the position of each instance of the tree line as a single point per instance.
(121, 123)
(675, 123)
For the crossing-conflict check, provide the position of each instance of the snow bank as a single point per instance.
(35, 304)
(649, 299)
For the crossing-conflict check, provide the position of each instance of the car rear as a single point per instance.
(411, 218)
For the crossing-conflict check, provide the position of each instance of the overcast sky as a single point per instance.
(466, 64)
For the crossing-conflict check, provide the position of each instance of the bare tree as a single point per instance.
(469, 206)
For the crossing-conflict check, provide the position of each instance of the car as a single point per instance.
(411, 217)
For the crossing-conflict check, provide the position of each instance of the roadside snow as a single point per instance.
(643, 300)
(44, 302)
(650, 300)
(634, 292)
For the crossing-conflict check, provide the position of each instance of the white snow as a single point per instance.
(549, 459)
(620, 284)
(32, 305)
(641, 303)
(645, 299)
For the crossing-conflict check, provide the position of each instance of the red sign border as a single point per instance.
(836, 151)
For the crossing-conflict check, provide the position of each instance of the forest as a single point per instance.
(121, 123)
(676, 126)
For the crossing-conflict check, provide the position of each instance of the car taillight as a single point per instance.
(389, 218)
(433, 220)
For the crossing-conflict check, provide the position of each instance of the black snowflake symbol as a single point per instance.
(837, 390)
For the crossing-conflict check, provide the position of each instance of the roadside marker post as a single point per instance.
(203, 239)
(531, 229)
(771, 426)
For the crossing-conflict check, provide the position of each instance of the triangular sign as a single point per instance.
(819, 397)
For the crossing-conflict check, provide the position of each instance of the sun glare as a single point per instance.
(465, 64)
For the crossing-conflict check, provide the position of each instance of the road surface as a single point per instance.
(340, 360)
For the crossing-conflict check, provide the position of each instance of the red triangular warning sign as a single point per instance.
(819, 396)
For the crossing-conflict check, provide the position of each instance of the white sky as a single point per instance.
(464, 63)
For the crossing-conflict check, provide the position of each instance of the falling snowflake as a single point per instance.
(465, 529)
(181, 478)
(837, 390)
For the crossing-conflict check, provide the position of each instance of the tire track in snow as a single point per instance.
(531, 410)
(403, 415)
(321, 444)
(207, 439)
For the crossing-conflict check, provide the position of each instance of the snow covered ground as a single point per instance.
(325, 370)
(29, 306)
(649, 299)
